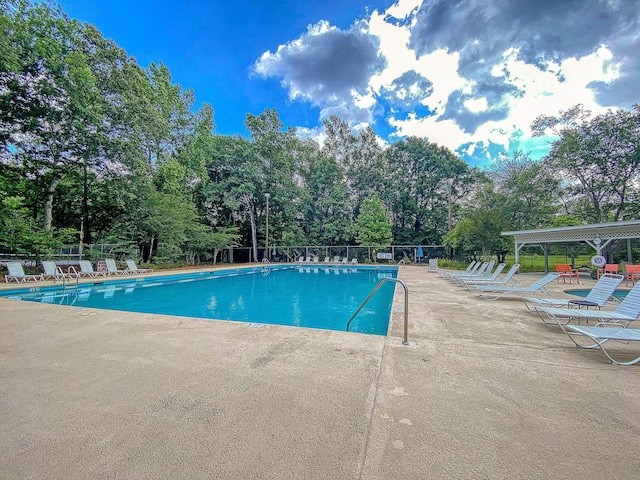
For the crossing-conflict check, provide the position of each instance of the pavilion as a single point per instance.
(598, 235)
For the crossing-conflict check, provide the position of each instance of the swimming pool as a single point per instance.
(312, 297)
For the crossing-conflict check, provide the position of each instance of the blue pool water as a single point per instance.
(619, 294)
(316, 297)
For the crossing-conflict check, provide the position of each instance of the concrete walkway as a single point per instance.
(484, 390)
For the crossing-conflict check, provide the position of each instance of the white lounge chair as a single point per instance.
(327, 260)
(623, 315)
(133, 269)
(55, 273)
(86, 270)
(336, 259)
(493, 292)
(600, 294)
(16, 274)
(600, 335)
(112, 268)
(354, 261)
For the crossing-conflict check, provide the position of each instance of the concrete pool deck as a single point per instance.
(483, 390)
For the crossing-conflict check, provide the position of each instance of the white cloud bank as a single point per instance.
(466, 74)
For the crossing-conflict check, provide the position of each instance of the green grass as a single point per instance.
(528, 263)
(535, 263)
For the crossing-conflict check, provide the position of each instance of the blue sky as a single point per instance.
(467, 74)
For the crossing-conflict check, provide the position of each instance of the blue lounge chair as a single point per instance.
(493, 292)
(627, 312)
(600, 335)
(505, 280)
(600, 294)
(484, 279)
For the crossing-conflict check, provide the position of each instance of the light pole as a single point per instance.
(267, 235)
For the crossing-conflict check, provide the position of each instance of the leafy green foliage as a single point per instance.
(372, 226)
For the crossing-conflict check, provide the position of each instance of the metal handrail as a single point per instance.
(406, 305)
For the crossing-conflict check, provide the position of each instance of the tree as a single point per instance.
(600, 157)
(527, 191)
(426, 183)
(327, 216)
(372, 226)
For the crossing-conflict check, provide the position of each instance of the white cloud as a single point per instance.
(403, 8)
(478, 88)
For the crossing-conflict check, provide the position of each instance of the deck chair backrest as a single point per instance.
(86, 267)
(550, 277)
(489, 268)
(15, 269)
(496, 272)
(604, 288)
(131, 265)
(49, 267)
(111, 264)
(470, 266)
(563, 268)
(482, 269)
(512, 271)
(630, 304)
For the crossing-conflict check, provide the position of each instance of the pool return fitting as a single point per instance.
(406, 305)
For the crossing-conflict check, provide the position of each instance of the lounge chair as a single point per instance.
(16, 274)
(86, 270)
(567, 271)
(506, 279)
(112, 268)
(470, 271)
(483, 272)
(354, 260)
(316, 260)
(133, 269)
(600, 335)
(345, 260)
(493, 292)
(466, 281)
(327, 260)
(55, 273)
(599, 295)
(623, 315)
(445, 273)
(336, 259)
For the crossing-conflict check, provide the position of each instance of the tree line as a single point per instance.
(94, 145)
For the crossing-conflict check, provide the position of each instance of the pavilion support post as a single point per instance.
(545, 249)
(572, 252)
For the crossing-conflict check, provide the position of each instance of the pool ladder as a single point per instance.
(406, 305)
